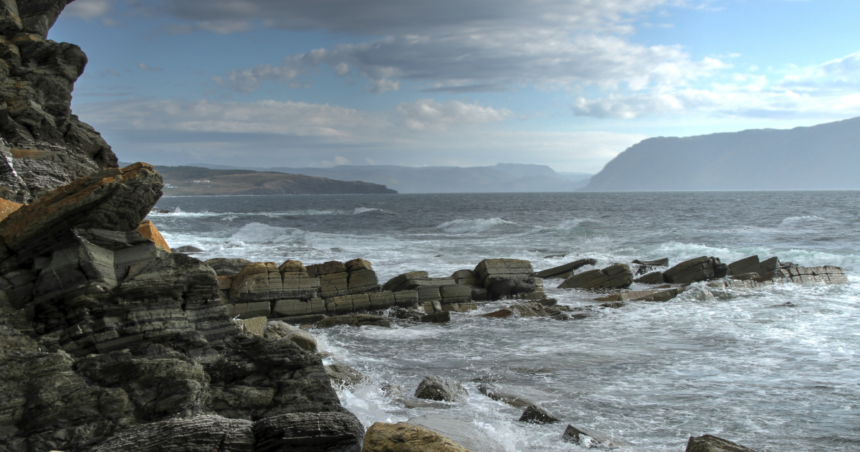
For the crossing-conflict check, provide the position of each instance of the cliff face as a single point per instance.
(822, 157)
(43, 145)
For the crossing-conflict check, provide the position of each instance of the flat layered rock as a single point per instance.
(650, 278)
(207, 432)
(698, 269)
(339, 431)
(564, 271)
(616, 276)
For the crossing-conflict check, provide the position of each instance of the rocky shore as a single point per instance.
(110, 340)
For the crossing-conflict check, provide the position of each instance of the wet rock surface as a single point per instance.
(403, 437)
(441, 389)
(709, 443)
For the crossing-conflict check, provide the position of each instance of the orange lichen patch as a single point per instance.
(290, 266)
(225, 282)
(28, 153)
(148, 230)
(7, 207)
(62, 201)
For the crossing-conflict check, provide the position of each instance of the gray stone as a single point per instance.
(441, 389)
(650, 278)
(617, 276)
(467, 278)
(284, 308)
(353, 320)
(664, 262)
(746, 265)
(460, 431)
(394, 284)
(698, 269)
(709, 443)
(585, 437)
(664, 295)
(564, 271)
(537, 415)
(500, 394)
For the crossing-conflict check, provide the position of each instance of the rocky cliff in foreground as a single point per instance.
(823, 157)
(110, 343)
(43, 144)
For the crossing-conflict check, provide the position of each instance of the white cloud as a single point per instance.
(147, 68)
(302, 134)
(88, 9)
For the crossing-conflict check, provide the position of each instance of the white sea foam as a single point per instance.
(472, 226)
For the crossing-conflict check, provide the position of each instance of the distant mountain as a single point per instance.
(822, 157)
(504, 177)
(192, 180)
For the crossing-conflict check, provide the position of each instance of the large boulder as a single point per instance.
(442, 389)
(462, 432)
(709, 443)
(698, 269)
(617, 276)
(505, 278)
(403, 437)
(324, 432)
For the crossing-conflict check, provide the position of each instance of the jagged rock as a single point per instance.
(564, 271)
(500, 314)
(329, 432)
(462, 432)
(588, 437)
(354, 320)
(200, 433)
(617, 276)
(442, 389)
(709, 443)
(466, 278)
(650, 278)
(500, 394)
(403, 437)
(343, 375)
(698, 269)
(44, 145)
(227, 267)
(506, 277)
(537, 415)
(149, 232)
(284, 331)
(394, 284)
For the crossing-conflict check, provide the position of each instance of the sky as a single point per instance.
(564, 83)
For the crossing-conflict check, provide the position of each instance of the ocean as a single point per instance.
(773, 369)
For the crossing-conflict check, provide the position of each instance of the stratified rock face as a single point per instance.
(617, 276)
(103, 334)
(43, 145)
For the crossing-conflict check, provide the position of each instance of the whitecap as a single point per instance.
(464, 226)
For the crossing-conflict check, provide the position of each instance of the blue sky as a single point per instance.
(566, 83)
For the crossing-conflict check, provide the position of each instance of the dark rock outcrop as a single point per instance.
(537, 415)
(43, 146)
(616, 276)
(442, 389)
(709, 443)
(104, 334)
(698, 269)
(587, 437)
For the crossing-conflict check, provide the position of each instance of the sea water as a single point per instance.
(773, 369)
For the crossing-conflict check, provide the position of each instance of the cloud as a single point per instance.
(146, 68)
(427, 114)
(88, 9)
(298, 134)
